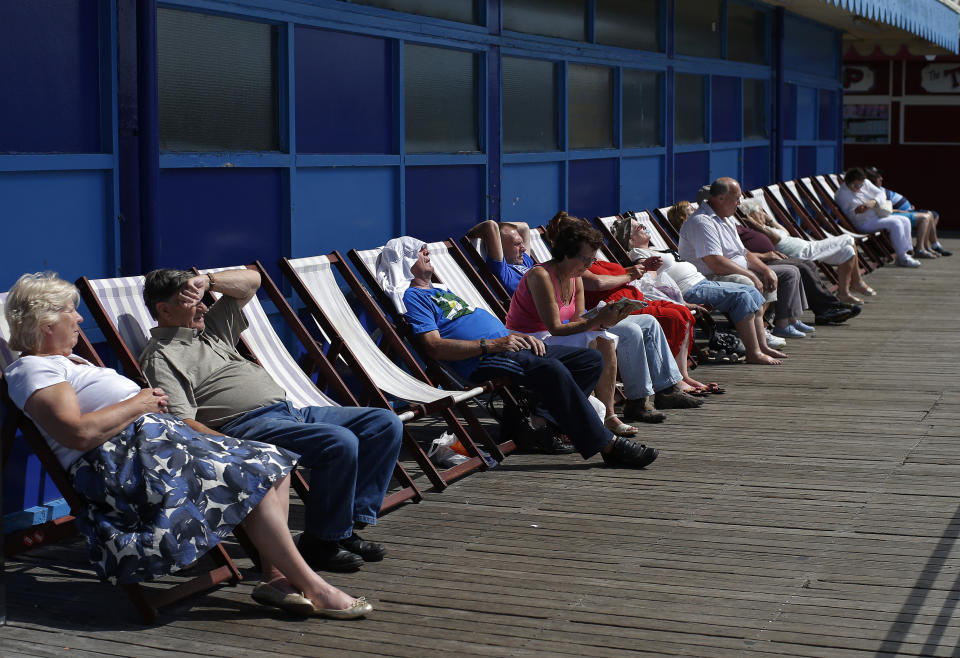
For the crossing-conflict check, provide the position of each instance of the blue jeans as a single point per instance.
(643, 354)
(733, 298)
(350, 451)
(561, 379)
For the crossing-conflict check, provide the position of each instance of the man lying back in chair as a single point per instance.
(350, 451)
(507, 245)
(479, 347)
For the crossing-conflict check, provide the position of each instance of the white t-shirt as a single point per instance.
(96, 388)
(706, 234)
(683, 273)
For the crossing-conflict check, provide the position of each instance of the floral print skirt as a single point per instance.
(159, 495)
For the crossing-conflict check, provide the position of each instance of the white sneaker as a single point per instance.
(908, 261)
(775, 341)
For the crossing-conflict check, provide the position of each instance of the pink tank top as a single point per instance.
(523, 316)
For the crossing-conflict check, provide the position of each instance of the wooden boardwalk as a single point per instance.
(813, 510)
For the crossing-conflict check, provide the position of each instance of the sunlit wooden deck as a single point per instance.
(812, 510)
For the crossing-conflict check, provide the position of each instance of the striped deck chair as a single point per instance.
(264, 345)
(147, 602)
(823, 190)
(451, 269)
(476, 253)
(667, 230)
(314, 281)
(118, 308)
(807, 189)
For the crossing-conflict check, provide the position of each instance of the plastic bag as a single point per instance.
(659, 285)
(446, 451)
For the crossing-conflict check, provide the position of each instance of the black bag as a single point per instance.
(724, 341)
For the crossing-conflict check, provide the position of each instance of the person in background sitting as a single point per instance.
(928, 244)
(506, 245)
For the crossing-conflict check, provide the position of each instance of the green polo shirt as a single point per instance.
(204, 375)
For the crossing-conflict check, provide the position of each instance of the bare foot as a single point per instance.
(763, 359)
(691, 385)
(769, 351)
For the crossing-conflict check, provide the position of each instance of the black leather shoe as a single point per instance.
(942, 251)
(327, 555)
(642, 409)
(674, 399)
(629, 454)
(835, 315)
(368, 550)
(543, 440)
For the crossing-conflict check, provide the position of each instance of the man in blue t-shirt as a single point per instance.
(506, 245)
(479, 347)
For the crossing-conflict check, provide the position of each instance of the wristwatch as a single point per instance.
(483, 347)
(210, 280)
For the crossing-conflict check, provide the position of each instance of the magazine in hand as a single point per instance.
(620, 304)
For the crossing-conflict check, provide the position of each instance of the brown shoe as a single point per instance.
(642, 409)
(674, 399)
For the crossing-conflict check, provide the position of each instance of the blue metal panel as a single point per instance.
(641, 183)
(49, 61)
(593, 188)
(59, 221)
(531, 192)
(344, 93)
(756, 167)
(806, 113)
(724, 162)
(444, 201)
(806, 161)
(811, 47)
(826, 159)
(690, 172)
(725, 115)
(219, 217)
(343, 208)
(788, 164)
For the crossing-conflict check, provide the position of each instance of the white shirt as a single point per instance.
(96, 388)
(706, 234)
(849, 201)
(683, 273)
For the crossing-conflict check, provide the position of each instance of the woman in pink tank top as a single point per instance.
(548, 304)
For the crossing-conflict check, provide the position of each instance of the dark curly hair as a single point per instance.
(567, 235)
(854, 174)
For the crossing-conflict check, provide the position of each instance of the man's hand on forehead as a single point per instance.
(191, 292)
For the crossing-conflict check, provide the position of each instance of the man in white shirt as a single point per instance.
(709, 240)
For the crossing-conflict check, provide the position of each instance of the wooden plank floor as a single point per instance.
(813, 510)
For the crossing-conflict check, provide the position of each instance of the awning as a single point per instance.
(931, 19)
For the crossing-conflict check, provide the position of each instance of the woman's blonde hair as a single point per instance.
(677, 214)
(34, 301)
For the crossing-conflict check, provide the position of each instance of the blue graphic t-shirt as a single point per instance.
(437, 309)
(509, 273)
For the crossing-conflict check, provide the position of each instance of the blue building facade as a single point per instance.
(213, 132)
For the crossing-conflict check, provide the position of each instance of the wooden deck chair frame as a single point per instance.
(786, 221)
(147, 602)
(380, 305)
(344, 346)
(876, 245)
(479, 263)
(667, 230)
(810, 196)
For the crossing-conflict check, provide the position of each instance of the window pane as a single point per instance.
(464, 11)
(590, 106)
(440, 100)
(827, 126)
(724, 109)
(755, 109)
(746, 34)
(688, 109)
(529, 105)
(641, 108)
(566, 19)
(628, 23)
(866, 123)
(697, 28)
(218, 88)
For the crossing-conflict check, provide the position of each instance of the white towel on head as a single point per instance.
(393, 267)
